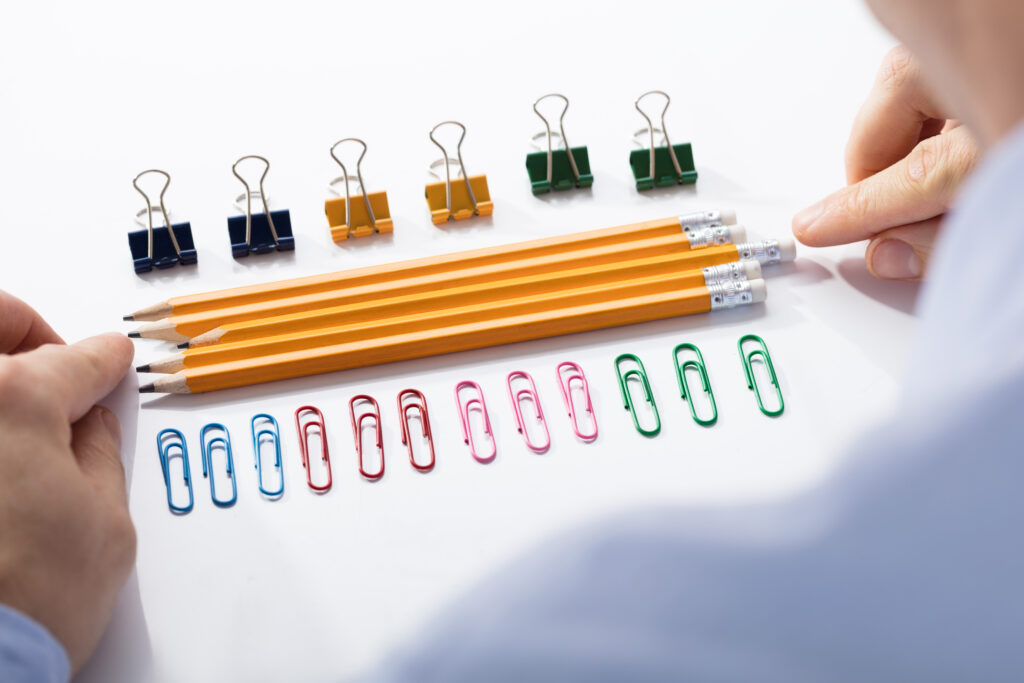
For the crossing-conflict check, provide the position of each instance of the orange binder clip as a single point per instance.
(455, 201)
(357, 215)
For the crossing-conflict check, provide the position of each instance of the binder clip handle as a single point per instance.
(149, 211)
(248, 198)
(561, 128)
(359, 179)
(663, 130)
(446, 160)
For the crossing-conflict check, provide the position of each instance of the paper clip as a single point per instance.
(303, 432)
(557, 169)
(206, 448)
(565, 383)
(268, 428)
(161, 247)
(641, 375)
(258, 233)
(419, 402)
(684, 389)
(530, 394)
(164, 449)
(357, 432)
(464, 408)
(660, 166)
(448, 201)
(748, 370)
(365, 213)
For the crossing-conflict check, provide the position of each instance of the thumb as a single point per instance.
(96, 441)
(902, 253)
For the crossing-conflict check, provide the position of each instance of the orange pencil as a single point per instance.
(432, 265)
(549, 302)
(182, 328)
(463, 337)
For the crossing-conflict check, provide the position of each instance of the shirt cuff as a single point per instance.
(28, 652)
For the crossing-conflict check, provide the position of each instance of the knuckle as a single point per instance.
(19, 384)
(898, 67)
(936, 166)
(858, 201)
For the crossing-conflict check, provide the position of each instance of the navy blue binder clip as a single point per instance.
(258, 233)
(161, 247)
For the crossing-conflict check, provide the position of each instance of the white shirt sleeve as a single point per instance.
(906, 566)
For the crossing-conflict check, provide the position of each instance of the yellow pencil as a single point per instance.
(431, 265)
(462, 337)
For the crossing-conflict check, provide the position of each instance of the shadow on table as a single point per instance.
(901, 296)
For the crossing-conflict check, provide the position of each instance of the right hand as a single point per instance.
(905, 161)
(67, 544)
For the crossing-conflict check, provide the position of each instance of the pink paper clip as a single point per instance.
(464, 408)
(529, 393)
(357, 432)
(418, 402)
(565, 383)
(303, 430)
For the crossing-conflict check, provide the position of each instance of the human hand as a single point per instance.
(67, 544)
(905, 161)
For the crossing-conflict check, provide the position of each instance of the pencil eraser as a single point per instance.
(758, 291)
(787, 249)
(737, 233)
(752, 269)
(727, 216)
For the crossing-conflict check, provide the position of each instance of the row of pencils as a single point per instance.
(681, 265)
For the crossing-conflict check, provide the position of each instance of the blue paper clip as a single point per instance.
(207, 453)
(160, 247)
(269, 429)
(164, 449)
(258, 233)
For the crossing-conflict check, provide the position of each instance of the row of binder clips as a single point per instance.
(357, 213)
(469, 397)
(364, 410)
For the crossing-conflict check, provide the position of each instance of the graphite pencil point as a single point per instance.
(128, 318)
(134, 335)
(142, 368)
(147, 389)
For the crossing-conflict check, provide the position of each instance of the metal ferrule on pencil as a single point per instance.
(722, 234)
(765, 252)
(739, 271)
(730, 294)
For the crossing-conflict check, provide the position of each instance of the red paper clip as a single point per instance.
(464, 409)
(565, 383)
(529, 393)
(357, 432)
(303, 430)
(419, 402)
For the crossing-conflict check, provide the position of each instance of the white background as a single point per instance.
(323, 587)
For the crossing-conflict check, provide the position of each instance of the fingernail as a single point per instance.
(895, 260)
(805, 219)
(112, 424)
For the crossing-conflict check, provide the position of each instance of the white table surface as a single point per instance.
(323, 587)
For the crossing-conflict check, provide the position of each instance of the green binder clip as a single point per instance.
(641, 376)
(557, 169)
(746, 358)
(662, 166)
(684, 389)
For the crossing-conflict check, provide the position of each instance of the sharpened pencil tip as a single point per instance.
(128, 318)
(135, 335)
(147, 389)
(142, 368)
(183, 345)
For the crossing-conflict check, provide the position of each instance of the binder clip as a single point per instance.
(258, 233)
(456, 201)
(160, 247)
(664, 165)
(557, 169)
(359, 215)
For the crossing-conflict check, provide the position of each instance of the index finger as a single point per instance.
(21, 328)
(898, 114)
(81, 374)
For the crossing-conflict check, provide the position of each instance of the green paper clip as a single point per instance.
(627, 400)
(662, 166)
(557, 169)
(746, 358)
(684, 389)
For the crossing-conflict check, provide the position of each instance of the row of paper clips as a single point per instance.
(357, 212)
(363, 409)
(696, 364)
